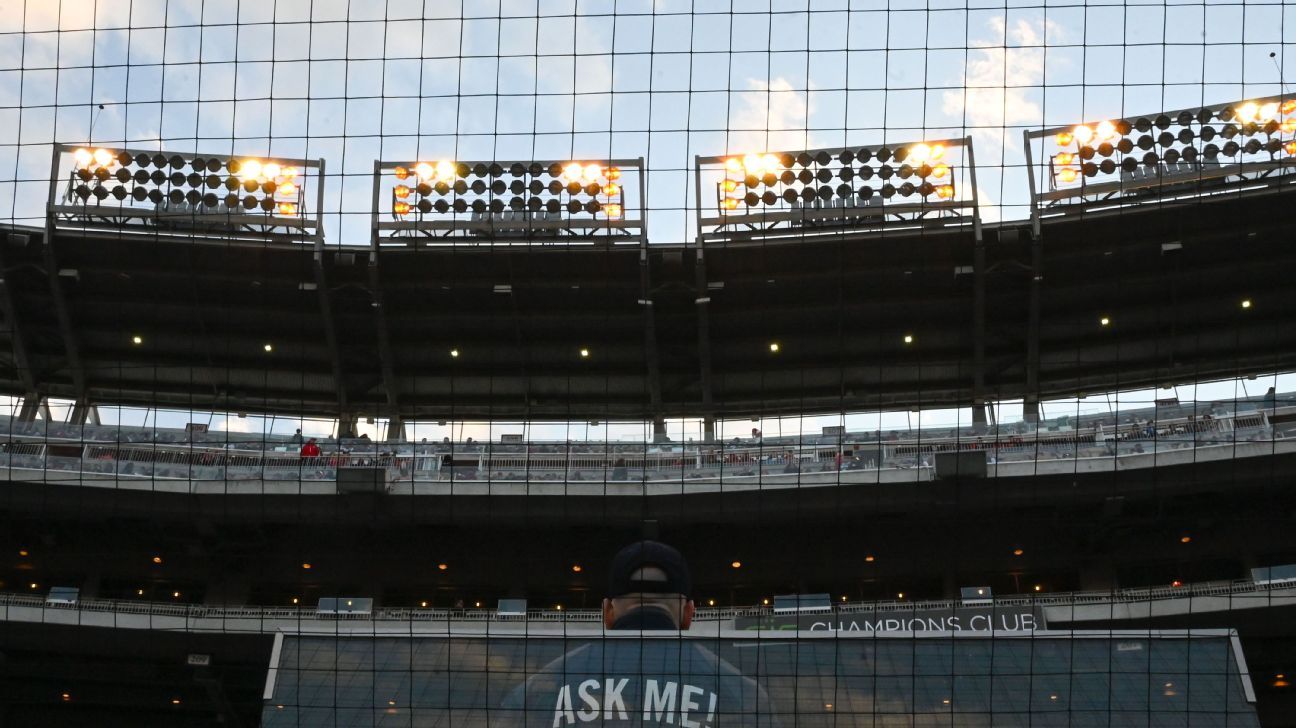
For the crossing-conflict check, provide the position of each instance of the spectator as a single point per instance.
(297, 436)
(310, 449)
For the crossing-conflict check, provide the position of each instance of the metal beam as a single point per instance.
(64, 314)
(380, 313)
(978, 334)
(330, 327)
(1030, 402)
(17, 338)
(653, 359)
(702, 298)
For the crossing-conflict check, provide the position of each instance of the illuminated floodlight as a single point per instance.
(1186, 152)
(135, 190)
(432, 202)
(764, 194)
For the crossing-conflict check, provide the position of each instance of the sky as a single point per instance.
(353, 82)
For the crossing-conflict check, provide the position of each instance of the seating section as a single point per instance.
(133, 452)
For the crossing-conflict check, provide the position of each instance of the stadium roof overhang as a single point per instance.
(863, 320)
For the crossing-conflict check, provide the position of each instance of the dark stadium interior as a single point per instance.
(839, 305)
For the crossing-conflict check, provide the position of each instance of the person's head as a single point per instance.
(311, 441)
(649, 588)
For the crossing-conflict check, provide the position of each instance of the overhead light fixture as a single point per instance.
(137, 340)
(454, 353)
(908, 339)
(1185, 539)
(157, 559)
(306, 565)
(23, 552)
(869, 559)
(1104, 321)
(1246, 303)
(443, 567)
(268, 348)
(584, 353)
(774, 347)
(1018, 552)
(577, 568)
(736, 564)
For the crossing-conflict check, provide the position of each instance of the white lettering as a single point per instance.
(583, 692)
(979, 619)
(821, 626)
(688, 705)
(659, 703)
(1028, 622)
(563, 710)
(612, 699)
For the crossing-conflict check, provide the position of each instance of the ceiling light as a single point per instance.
(443, 567)
(1104, 321)
(137, 339)
(870, 558)
(577, 568)
(306, 565)
(157, 559)
(908, 339)
(1246, 303)
(1185, 539)
(774, 347)
(736, 564)
(454, 353)
(584, 353)
(1018, 552)
(268, 347)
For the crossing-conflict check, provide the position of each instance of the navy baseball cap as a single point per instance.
(639, 554)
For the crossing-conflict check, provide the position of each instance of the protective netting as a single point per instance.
(347, 343)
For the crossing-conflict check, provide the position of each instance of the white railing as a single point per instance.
(31, 456)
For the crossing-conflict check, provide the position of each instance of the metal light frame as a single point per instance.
(784, 219)
(1183, 177)
(496, 221)
(65, 211)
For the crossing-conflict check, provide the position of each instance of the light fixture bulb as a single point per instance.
(271, 170)
(1083, 134)
(945, 192)
(734, 164)
(103, 157)
(445, 170)
(753, 162)
(287, 189)
(572, 171)
(1105, 130)
(613, 211)
(592, 172)
(1064, 138)
(1247, 112)
(1067, 175)
(770, 162)
(613, 173)
(1269, 111)
(424, 170)
(919, 153)
(401, 191)
(937, 151)
(940, 171)
(612, 190)
(401, 173)
(287, 209)
(250, 169)
(83, 157)
(400, 208)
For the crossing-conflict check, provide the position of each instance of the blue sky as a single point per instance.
(663, 79)
(539, 79)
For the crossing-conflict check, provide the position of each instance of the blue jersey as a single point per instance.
(639, 682)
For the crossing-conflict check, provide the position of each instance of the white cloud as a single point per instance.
(771, 116)
(1000, 81)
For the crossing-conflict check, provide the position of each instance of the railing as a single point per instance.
(27, 455)
(707, 614)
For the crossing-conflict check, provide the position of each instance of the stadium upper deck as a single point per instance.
(863, 320)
